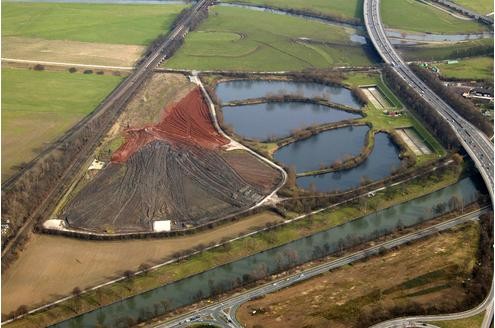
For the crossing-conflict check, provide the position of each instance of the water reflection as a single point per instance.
(276, 120)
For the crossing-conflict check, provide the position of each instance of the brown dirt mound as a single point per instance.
(174, 170)
(252, 170)
(185, 184)
(187, 121)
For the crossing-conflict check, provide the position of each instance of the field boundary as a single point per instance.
(64, 230)
(285, 222)
(50, 63)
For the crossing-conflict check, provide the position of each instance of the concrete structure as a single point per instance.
(163, 225)
(476, 144)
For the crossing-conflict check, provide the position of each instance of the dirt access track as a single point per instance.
(63, 263)
(177, 170)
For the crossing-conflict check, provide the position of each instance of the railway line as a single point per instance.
(112, 106)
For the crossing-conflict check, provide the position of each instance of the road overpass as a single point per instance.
(475, 142)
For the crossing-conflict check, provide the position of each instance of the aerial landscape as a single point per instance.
(247, 163)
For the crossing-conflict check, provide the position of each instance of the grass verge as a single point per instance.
(474, 321)
(417, 16)
(481, 6)
(228, 40)
(232, 251)
(476, 68)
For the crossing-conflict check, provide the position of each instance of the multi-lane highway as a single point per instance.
(476, 144)
(223, 313)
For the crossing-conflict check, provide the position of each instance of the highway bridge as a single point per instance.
(475, 142)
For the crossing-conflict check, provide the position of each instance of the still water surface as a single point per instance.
(246, 89)
(380, 163)
(323, 149)
(263, 121)
(185, 291)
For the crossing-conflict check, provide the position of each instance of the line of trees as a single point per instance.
(309, 13)
(307, 200)
(421, 108)
(462, 106)
(479, 285)
(360, 96)
(50, 174)
(416, 52)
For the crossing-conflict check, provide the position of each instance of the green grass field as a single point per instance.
(339, 8)
(102, 23)
(229, 39)
(476, 68)
(412, 15)
(473, 322)
(383, 122)
(38, 107)
(441, 52)
(235, 250)
(481, 6)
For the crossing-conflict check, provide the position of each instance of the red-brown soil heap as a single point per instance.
(174, 170)
(187, 121)
(252, 170)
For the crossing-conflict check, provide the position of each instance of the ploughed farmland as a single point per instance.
(174, 170)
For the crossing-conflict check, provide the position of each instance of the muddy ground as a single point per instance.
(63, 263)
(176, 169)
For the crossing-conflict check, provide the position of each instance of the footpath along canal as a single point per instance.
(188, 290)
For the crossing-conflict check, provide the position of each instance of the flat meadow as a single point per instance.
(39, 106)
(229, 40)
(422, 17)
(81, 32)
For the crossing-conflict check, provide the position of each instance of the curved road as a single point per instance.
(476, 144)
(223, 313)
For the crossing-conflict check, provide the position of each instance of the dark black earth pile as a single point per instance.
(188, 185)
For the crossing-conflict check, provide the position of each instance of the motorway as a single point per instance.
(476, 143)
(223, 313)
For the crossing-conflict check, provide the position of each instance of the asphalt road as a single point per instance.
(476, 143)
(223, 313)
